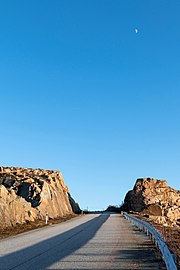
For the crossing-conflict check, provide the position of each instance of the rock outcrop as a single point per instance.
(155, 198)
(30, 194)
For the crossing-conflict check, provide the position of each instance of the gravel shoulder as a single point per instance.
(21, 228)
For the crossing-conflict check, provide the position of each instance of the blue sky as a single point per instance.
(83, 93)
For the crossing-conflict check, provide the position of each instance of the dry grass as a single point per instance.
(171, 237)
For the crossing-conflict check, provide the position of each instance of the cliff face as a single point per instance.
(155, 198)
(29, 194)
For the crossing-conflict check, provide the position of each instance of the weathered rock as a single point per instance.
(30, 194)
(155, 198)
(74, 205)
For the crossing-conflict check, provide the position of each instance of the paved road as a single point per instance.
(97, 241)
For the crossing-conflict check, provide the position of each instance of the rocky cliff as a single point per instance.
(30, 194)
(155, 198)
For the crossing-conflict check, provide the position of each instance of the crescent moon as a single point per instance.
(136, 30)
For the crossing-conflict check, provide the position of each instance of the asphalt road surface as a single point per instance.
(95, 241)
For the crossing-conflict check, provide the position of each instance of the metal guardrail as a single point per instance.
(168, 257)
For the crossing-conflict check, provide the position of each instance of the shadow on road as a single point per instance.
(53, 249)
